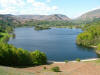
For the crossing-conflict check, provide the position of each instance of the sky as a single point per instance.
(70, 8)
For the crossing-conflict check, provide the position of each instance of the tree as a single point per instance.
(39, 58)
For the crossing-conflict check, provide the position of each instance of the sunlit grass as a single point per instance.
(12, 71)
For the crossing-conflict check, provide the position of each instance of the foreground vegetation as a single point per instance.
(11, 56)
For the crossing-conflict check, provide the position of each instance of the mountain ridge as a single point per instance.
(54, 17)
(90, 15)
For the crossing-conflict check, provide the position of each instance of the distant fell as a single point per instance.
(90, 15)
(54, 17)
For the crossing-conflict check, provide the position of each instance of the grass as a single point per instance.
(12, 71)
(78, 60)
(97, 61)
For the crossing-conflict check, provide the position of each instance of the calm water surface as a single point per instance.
(58, 43)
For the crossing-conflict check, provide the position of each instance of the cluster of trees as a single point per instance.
(5, 27)
(91, 34)
(4, 33)
(12, 56)
(84, 39)
(95, 22)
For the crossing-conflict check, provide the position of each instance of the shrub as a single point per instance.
(55, 69)
(39, 58)
(66, 61)
(44, 68)
(78, 60)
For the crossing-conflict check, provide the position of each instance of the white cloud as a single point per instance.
(42, 6)
(48, 1)
(28, 6)
(9, 10)
(30, 1)
(11, 3)
(55, 8)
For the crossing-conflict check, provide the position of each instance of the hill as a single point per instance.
(90, 15)
(26, 20)
(55, 17)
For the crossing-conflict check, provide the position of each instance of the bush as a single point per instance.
(39, 58)
(55, 69)
(44, 68)
(66, 61)
(78, 60)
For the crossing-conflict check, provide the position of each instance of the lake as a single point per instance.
(59, 44)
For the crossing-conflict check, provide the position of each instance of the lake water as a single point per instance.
(59, 44)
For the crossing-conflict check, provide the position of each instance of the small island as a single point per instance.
(41, 27)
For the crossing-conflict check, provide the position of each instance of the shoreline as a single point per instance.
(93, 46)
(92, 59)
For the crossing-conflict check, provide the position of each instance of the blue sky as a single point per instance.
(71, 8)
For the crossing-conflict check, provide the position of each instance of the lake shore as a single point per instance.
(92, 59)
(93, 46)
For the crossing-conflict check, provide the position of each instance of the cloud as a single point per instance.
(55, 8)
(8, 10)
(41, 6)
(11, 3)
(48, 1)
(25, 7)
(30, 1)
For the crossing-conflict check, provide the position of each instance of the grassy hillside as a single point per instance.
(12, 71)
(90, 15)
